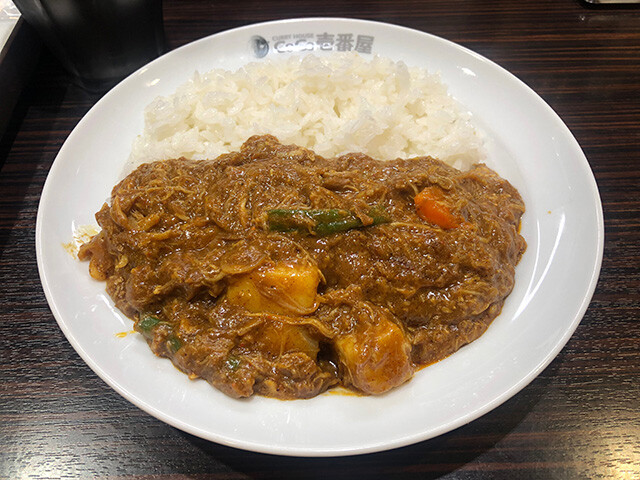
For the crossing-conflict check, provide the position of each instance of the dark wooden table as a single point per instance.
(579, 419)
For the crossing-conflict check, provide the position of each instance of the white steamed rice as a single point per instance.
(332, 105)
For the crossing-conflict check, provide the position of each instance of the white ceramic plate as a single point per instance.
(529, 145)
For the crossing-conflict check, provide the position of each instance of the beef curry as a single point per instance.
(278, 272)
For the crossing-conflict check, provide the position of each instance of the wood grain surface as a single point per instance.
(579, 419)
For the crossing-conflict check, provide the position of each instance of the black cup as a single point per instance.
(98, 41)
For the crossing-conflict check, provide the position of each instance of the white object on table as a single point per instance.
(9, 15)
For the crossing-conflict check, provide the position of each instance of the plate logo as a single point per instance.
(309, 42)
(260, 46)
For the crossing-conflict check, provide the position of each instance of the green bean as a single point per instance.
(148, 322)
(233, 363)
(174, 343)
(319, 221)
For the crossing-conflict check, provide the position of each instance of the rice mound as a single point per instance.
(332, 105)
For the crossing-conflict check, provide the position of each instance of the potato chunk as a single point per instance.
(376, 354)
(278, 338)
(277, 288)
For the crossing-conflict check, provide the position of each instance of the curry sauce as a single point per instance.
(278, 272)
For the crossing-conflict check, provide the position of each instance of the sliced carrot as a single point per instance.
(431, 207)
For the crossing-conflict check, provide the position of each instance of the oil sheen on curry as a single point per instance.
(277, 272)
